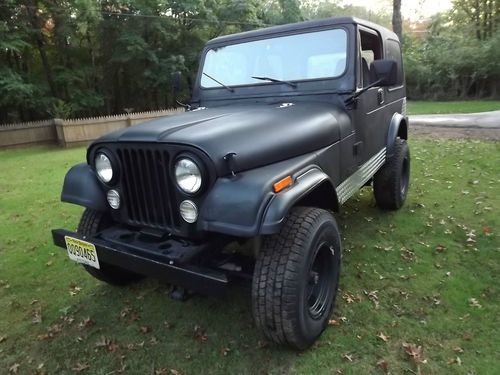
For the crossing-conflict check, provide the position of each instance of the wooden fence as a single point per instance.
(72, 132)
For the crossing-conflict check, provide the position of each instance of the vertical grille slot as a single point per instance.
(147, 187)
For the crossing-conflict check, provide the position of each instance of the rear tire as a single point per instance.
(91, 223)
(391, 182)
(296, 278)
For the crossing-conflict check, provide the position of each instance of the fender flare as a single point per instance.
(397, 128)
(281, 203)
(81, 187)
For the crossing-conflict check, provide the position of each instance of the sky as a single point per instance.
(411, 9)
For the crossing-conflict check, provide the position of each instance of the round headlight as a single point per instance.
(189, 211)
(114, 199)
(103, 167)
(188, 176)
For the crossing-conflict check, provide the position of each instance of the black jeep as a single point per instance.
(284, 125)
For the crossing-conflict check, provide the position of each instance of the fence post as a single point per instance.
(61, 138)
(128, 120)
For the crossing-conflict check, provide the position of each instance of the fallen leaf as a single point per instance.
(52, 331)
(486, 229)
(225, 351)
(85, 323)
(173, 371)
(383, 365)
(79, 367)
(416, 353)
(199, 334)
(145, 329)
(453, 361)
(440, 248)
(103, 342)
(348, 357)
(3, 338)
(372, 296)
(473, 302)
(383, 337)
(458, 349)
(36, 316)
(13, 369)
(333, 322)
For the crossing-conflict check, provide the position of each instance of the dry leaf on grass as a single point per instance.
(36, 316)
(383, 365)
(416, 353)
(473, 302)
(383, 337)
(199, 334)
(85, 323)
(14, 368)
(79, 367)
(453, 361)
(348, 357)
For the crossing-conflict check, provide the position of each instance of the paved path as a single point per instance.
(483, 120)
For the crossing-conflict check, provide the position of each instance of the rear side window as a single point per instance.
(393, 52)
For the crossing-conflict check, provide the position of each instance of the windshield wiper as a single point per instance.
(219, 82)
(294, 85)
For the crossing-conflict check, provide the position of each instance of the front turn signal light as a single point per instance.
(283, 183)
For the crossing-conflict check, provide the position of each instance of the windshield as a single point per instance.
(320, 54)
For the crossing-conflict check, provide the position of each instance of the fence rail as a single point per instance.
(72, 132)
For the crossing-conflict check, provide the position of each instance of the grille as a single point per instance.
(147, 187)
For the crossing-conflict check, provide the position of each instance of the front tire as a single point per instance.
(391, 182)
(91, 223)
(296, 278)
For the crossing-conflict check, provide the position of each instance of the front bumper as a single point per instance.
(149, 261)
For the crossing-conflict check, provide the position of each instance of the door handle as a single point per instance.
(380, 96)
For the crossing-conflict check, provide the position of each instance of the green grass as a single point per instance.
(469, 106)
(418, 262)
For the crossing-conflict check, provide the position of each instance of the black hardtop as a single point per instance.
(291, 27)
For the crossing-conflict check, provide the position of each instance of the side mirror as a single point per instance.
(385, 72)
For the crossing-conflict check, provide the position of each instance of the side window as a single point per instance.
(393, 52)
(370, 50)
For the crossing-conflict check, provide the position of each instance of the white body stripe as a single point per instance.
(355, 181)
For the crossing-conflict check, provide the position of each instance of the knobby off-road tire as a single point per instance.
(391, 182)
(91, 223)
(296, 278)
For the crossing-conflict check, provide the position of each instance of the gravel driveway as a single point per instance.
(485, 125)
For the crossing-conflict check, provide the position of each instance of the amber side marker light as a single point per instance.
(283, 183)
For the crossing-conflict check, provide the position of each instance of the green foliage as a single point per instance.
(99, 57)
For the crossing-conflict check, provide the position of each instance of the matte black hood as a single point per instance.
(258, 134)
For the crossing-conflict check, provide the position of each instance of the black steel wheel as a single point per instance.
(91, 223)
(391, 182)
(296, 278)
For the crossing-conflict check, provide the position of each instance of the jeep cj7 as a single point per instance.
(284, 125)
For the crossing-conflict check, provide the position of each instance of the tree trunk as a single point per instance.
(397, 20)
(33, 17)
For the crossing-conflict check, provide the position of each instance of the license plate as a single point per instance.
(82, 251)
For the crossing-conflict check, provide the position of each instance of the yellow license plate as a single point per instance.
(82, 251)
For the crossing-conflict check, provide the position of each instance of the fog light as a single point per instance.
(114, 199)
(188, 211)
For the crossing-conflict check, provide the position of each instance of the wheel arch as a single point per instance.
(82, 188)
(310, 189)
(397, 128)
